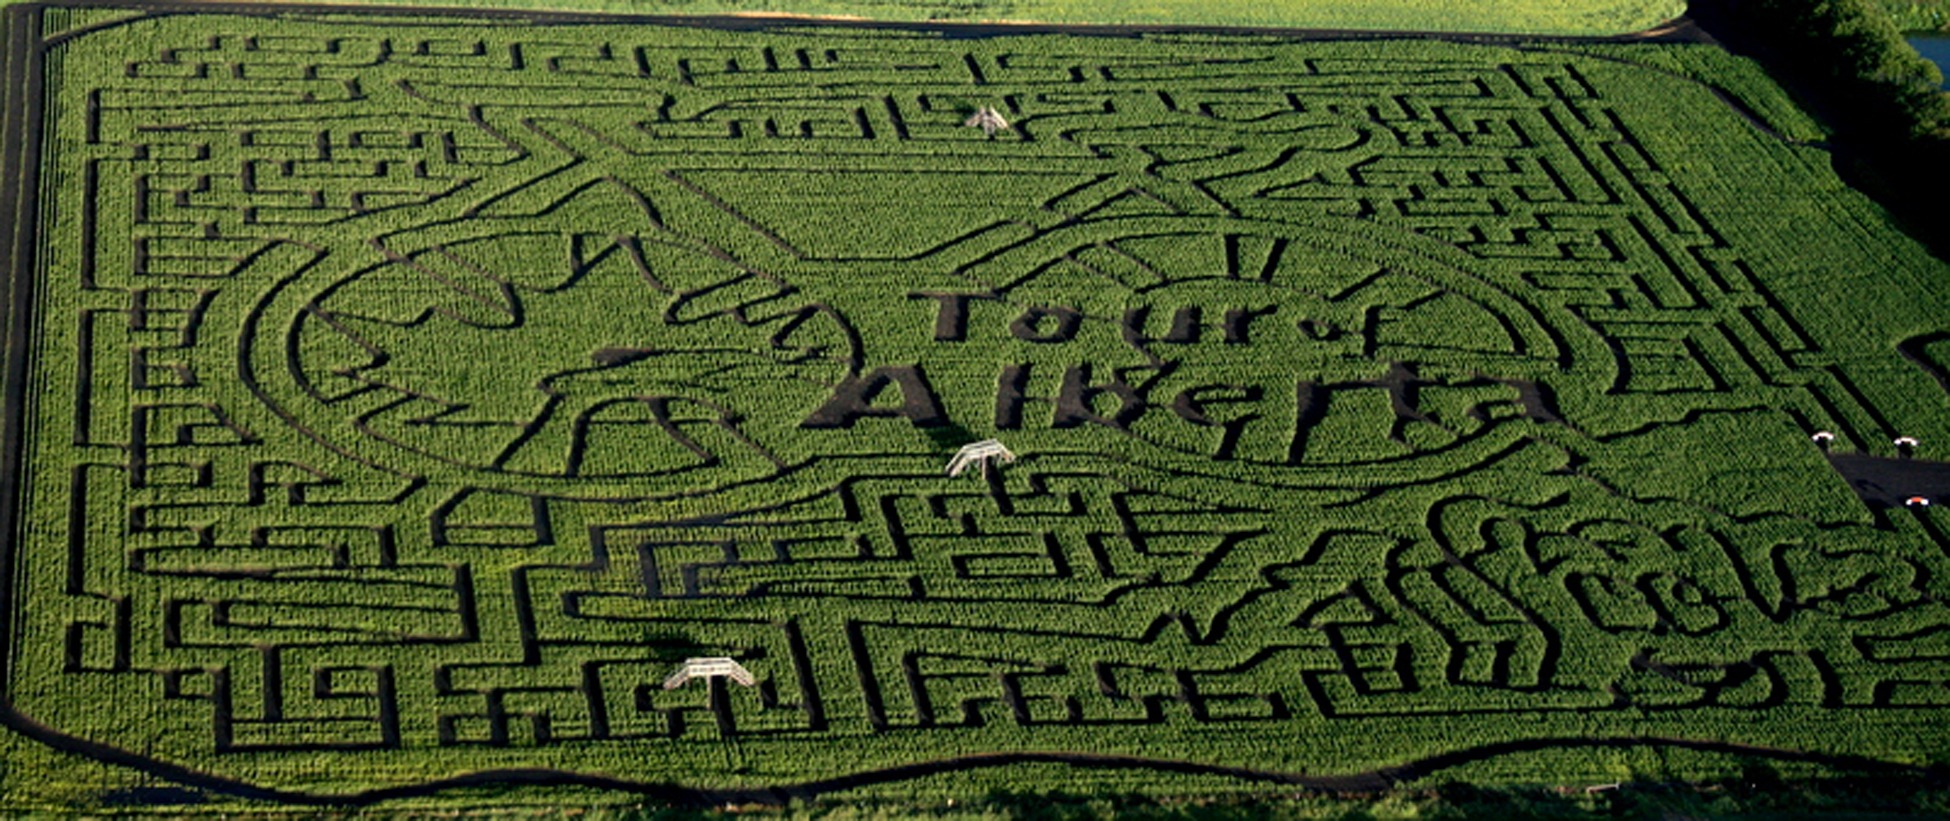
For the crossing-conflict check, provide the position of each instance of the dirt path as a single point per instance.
(1884, 481)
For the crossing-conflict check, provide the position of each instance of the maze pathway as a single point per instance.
(398, 398)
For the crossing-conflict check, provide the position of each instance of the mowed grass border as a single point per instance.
(1540, 17)
(1678, 29)
(21, 137)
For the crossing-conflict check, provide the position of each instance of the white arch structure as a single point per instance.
(710, 667)
(978, 453)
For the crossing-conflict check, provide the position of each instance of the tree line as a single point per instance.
(1881, 100)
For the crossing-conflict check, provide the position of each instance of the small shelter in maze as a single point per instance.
(989, 120)
(709, 667)
(978, 453)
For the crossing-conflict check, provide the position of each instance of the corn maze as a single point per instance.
(396, 402)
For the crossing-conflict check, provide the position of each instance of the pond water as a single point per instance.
(1936, 47)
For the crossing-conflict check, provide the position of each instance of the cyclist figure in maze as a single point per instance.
(561, 348)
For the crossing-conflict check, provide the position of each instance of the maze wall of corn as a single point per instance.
(396, 400)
